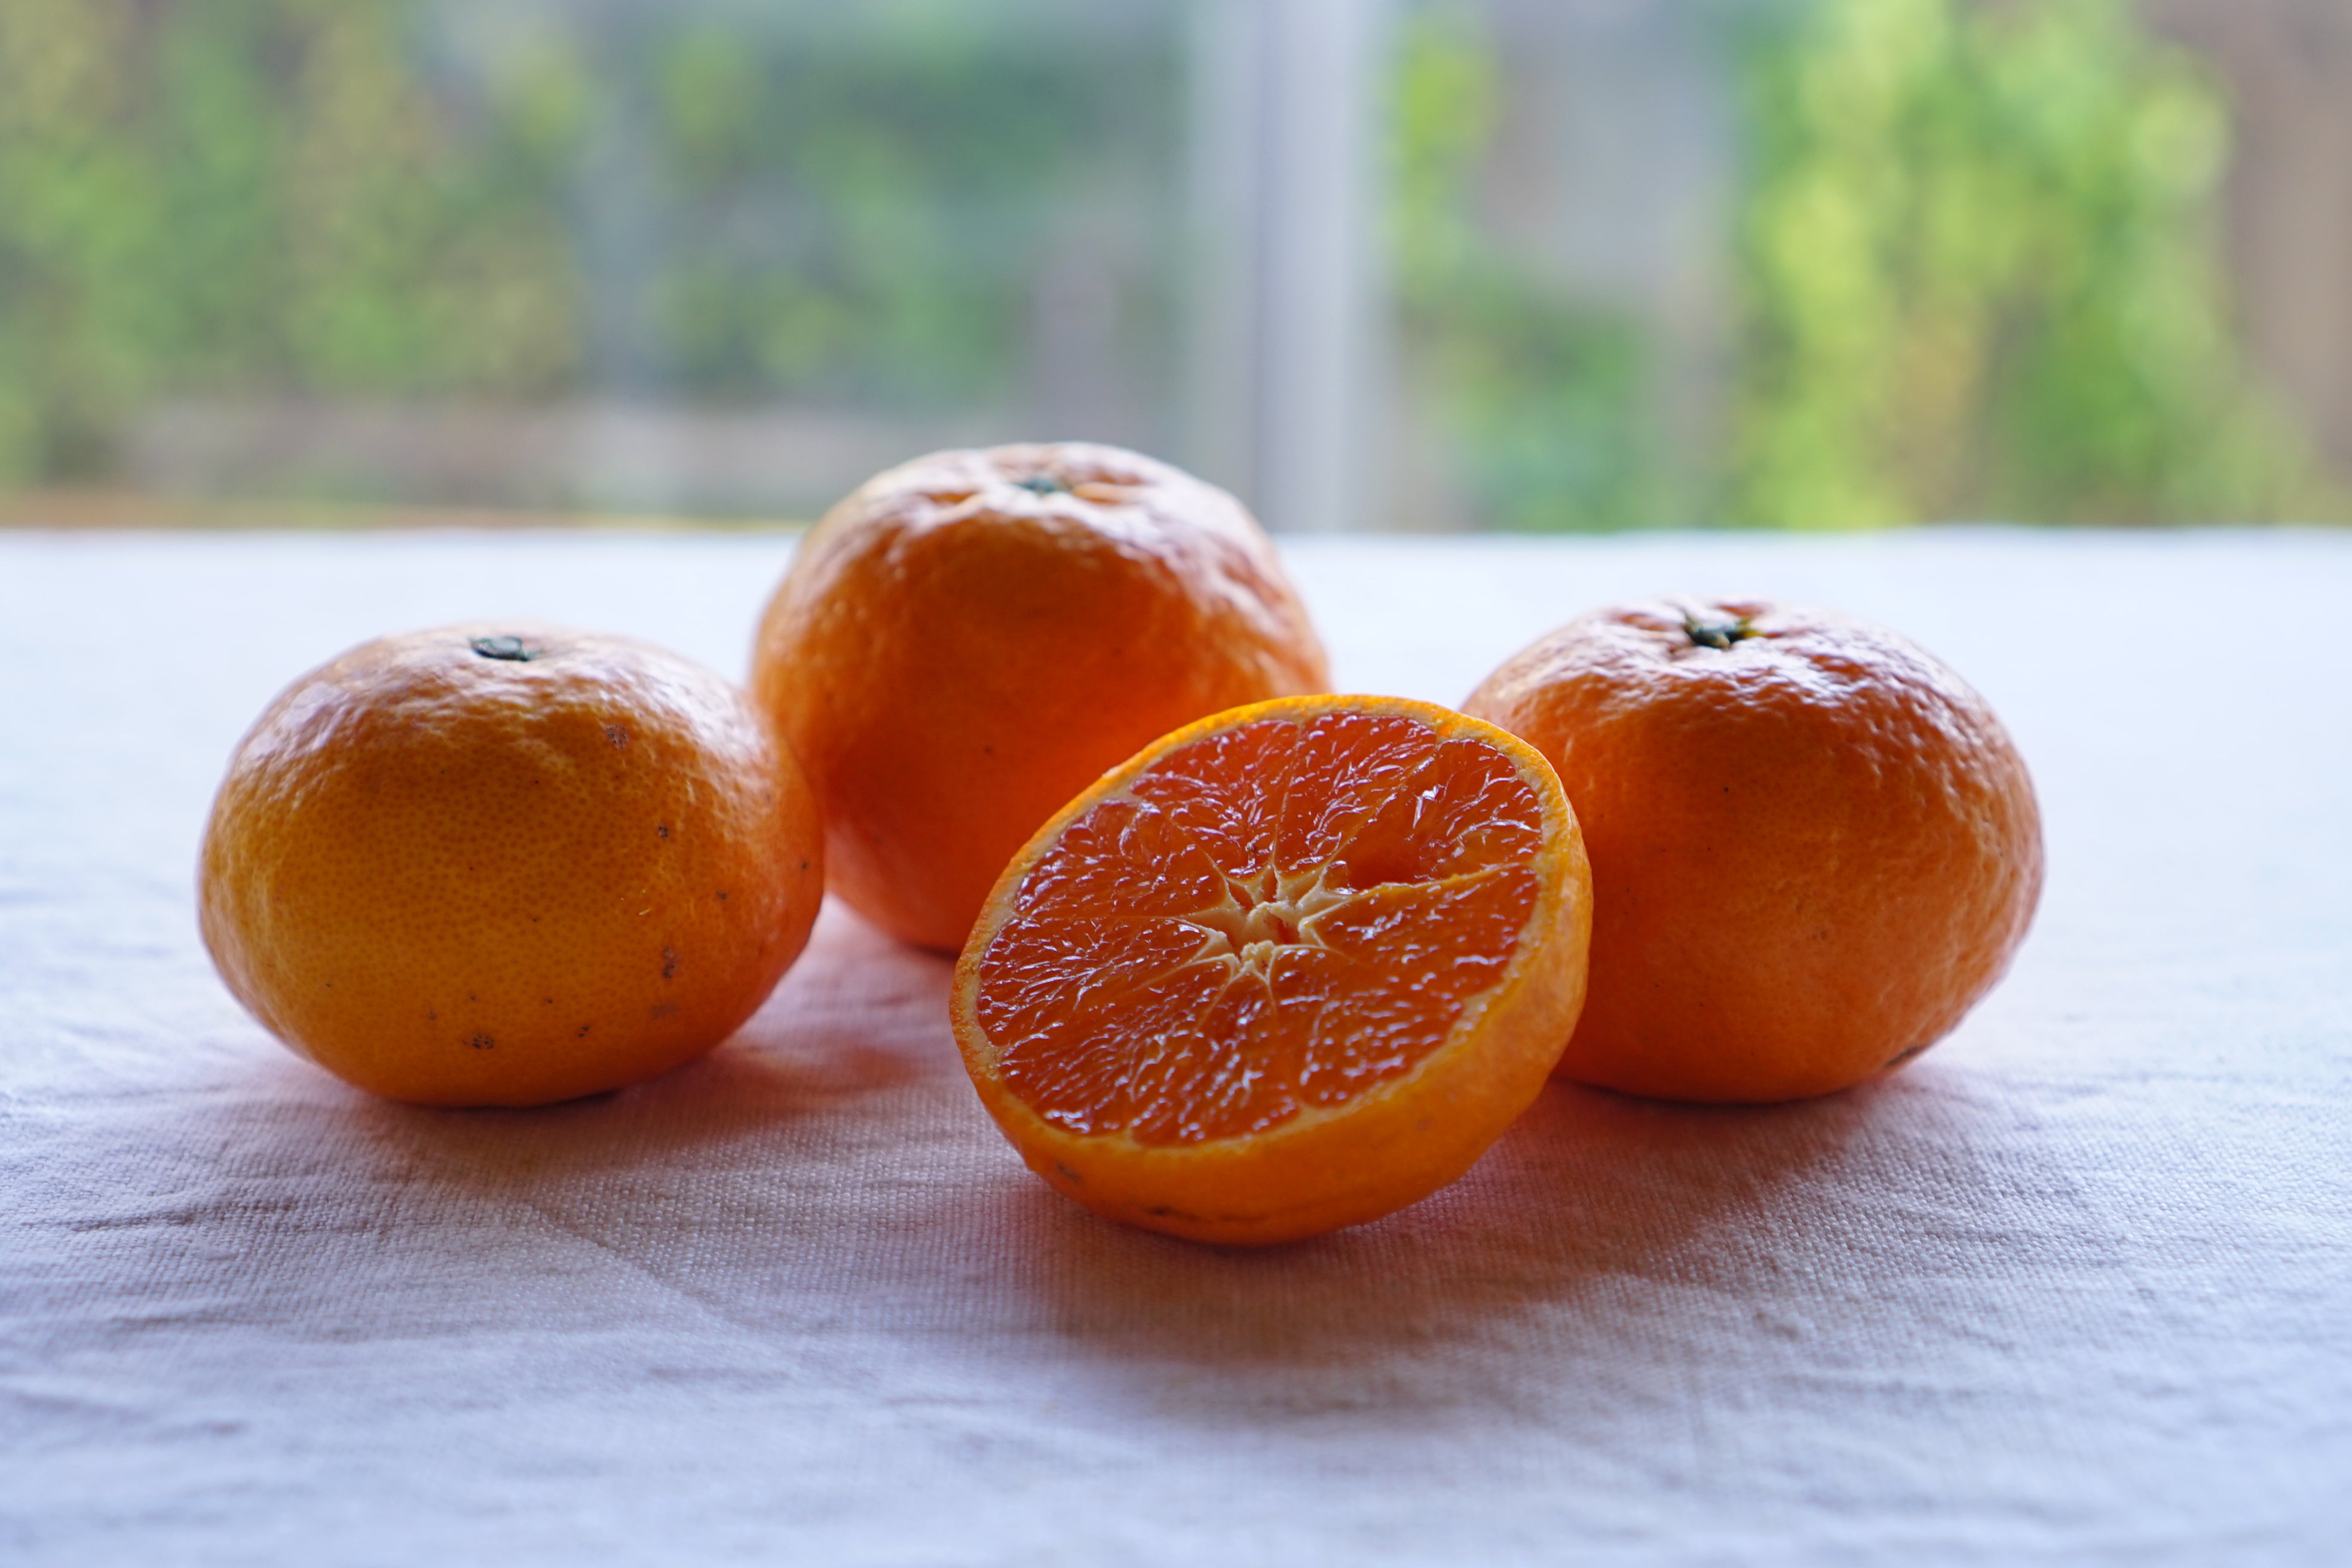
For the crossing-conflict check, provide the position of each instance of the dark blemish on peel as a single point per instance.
(615, 733)
(664, 1010)
(661, 830)
(669, 964)
(1067, 1175)
(582, 1034)
(481, 1042)
(723, 896)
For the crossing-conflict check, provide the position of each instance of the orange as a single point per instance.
(1291, 968)
(508, 864)
(968, 640)
(1813, 846)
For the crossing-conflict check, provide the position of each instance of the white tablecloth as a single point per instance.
(2075, 1288)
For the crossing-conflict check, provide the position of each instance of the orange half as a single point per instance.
(1289, 969)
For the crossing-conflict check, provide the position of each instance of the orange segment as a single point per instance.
(1291, 968)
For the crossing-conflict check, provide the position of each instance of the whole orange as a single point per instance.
(1814, 848)
(508, 864)
(966, 641)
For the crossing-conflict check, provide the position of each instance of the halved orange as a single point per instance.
(1288, 969)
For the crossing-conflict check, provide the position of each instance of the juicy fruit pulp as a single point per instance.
(1191, 962)
(1273, 926)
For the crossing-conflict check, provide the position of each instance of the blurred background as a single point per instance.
(1373, 264)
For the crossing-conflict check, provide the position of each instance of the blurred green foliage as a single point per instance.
(864, 211)
(1976, 274)
(251, 194)
(1543, 400)
(388, 198)
(1979, 277)
(1975, 239)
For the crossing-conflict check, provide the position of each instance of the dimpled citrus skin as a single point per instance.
(457, 878)
(1814, 848)
(1289, 969)
(968, 640)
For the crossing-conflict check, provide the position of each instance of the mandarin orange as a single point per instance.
(508, 864)
(1289, 969)
(968, 640)
(1814, 848)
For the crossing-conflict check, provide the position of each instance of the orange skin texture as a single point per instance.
(1814, 849)
(1326, 1166)
(953, 655)
(461, 881)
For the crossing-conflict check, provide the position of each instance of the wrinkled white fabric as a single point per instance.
(2075, 1288)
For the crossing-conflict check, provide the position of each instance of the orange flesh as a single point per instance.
(1270, 921)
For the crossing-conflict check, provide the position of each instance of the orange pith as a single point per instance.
(1353, 925)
